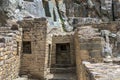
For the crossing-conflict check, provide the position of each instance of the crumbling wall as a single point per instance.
(91, 42)
(112, 29)
(88, 47)
(10, 48)
(33, 60)
(104, 71)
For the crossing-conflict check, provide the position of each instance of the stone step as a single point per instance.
(63, 70)
(61, 76)
(62, 65)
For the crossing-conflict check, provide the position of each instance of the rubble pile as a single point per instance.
(103, 71)
(9, 53)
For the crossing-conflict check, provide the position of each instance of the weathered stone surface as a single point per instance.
(104, 71)
(10, 55)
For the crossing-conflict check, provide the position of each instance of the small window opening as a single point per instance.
(27, 47)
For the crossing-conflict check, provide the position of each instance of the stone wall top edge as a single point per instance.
(106, 22)
(113, 22)
(35, 19)
(68, 35)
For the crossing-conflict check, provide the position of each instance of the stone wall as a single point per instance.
(79, 66)
(91, 44)
(10, 48)
(32, 61)
(91, 49)
(88, 47)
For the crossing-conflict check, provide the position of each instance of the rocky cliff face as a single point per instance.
(17, 9)
(60, 13)
(53, 10)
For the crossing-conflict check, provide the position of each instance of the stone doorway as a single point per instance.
(63, 53)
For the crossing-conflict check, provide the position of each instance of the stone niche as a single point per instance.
(33, 52)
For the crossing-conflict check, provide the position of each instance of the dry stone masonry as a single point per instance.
(90, 40)
(10, 49)
(33, 51)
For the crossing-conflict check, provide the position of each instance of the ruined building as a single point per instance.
(59, 40)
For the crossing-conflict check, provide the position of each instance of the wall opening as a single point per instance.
(27, 47)
(18, 48)
(54, 15)
(2, 40)
(14, 27)
(63, 53)
(46, 7)
(49, 58)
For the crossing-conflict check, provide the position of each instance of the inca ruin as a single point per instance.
(59, 39)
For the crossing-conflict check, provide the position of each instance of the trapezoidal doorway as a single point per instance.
(63, 53)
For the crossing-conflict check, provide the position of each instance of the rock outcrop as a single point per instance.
(61, 13)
